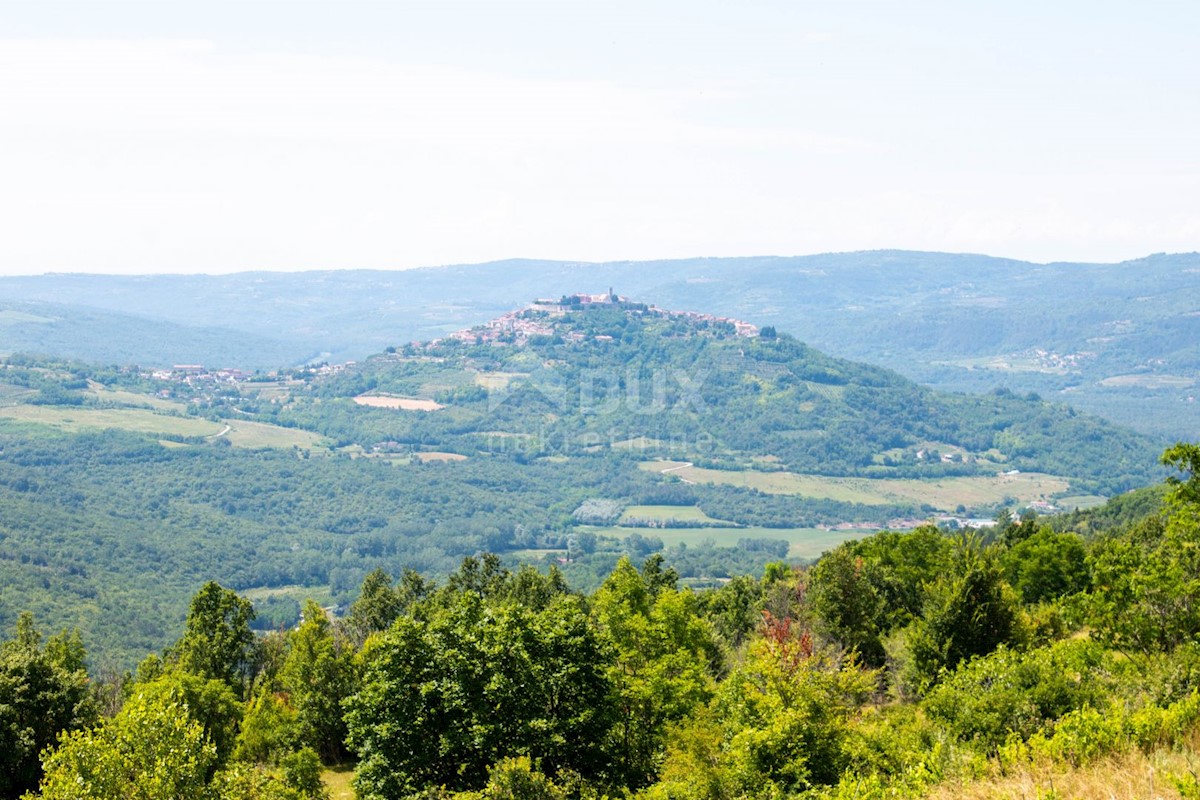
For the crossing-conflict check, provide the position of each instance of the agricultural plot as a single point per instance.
(662, 514)
(803, 543)
(259, 434)
(1149, 381)
(13, 395)
(943, 493)
(497, 380)
(401, 403)
(126, 398)
(73, 419)
(426, 458)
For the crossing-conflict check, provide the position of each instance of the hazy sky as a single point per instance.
(223, 136)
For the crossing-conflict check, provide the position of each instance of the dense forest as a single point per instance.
(1037, 657)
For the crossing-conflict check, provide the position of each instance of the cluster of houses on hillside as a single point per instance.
(198, 373)
(517, 327)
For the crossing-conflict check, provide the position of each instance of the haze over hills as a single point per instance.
(1116, 339)
(576, 429)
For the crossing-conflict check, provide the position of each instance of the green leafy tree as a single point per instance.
(1046, 566)
(209, 701)
(1146, 595)
(302, 774)
(969, 612)
(846, 603)
(269, 730)
(662, 648)
(217, 641)
(317, 676)
(775, 728)
(443, 699)
(152, 750)
(377, 606)
(43, 691)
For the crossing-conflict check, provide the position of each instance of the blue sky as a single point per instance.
(225, 136)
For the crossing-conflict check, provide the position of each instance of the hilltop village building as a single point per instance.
(516, 327)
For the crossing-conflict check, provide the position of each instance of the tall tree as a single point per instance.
(43, 692)
(317, 677)
(217, 641)
(443, 699)
(151, 750)
(662, 648)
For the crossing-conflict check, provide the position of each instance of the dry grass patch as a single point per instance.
(666, 513)
(497, 380)
(426, 458)
(941, 493)
(1123, 777)
(126, 398)
(74, 419)
(260, 434)
(1149, 381)
(402, 403)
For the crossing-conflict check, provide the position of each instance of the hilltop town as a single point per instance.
(535, 319)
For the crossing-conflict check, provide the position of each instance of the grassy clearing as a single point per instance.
(1013, 362)
(1080, 502)
(665, 513)
(298, 593)
(943, 493)
(241, 433)
(1149, 381)
(122, 397)
(425, 458)
(73, 419)
(338, 781)
(260, 434)
(14, 395)
(497, 380)
(803, 543)
(638, 443)
(1126, 775)
(271, 390)
(531, 554)
(400, 403)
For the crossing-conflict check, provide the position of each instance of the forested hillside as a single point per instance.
(1033, 661)
(550, 438)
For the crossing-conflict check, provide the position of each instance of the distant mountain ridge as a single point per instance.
(1117, 339)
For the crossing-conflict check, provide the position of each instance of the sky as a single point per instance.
(177, 136)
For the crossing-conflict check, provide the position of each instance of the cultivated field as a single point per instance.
(497, 380)
(240, 433)
(122, 397)
(691, 514)
(1149, 381)
(426, 458)
(73, 419)
(402, 403)
(942, 493)
(13, 395)
(259, 434)
(803, 543)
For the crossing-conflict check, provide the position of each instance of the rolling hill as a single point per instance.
(1119, 340)
(567, 432)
